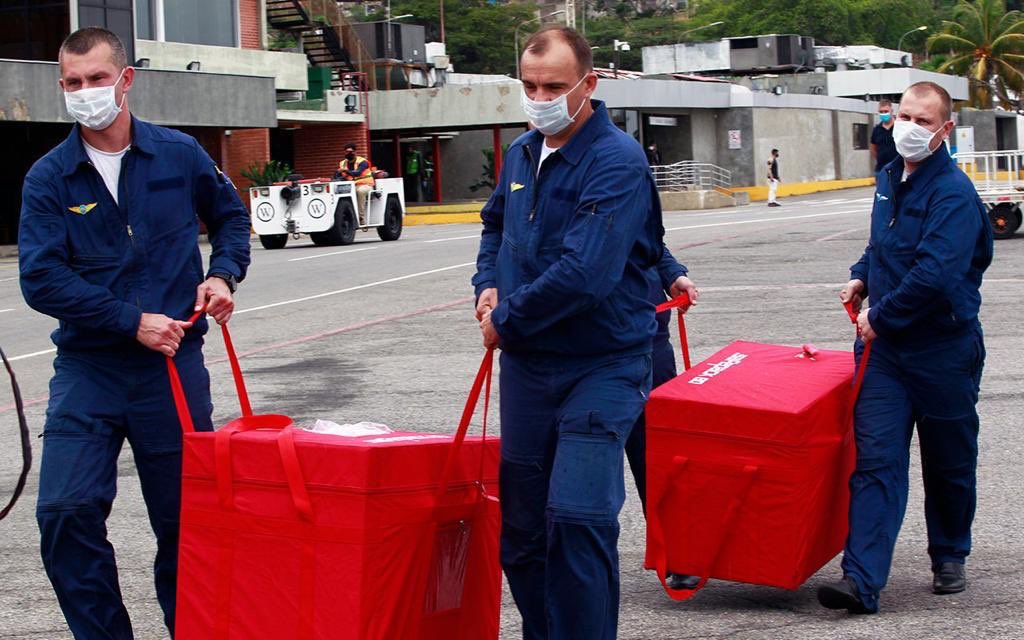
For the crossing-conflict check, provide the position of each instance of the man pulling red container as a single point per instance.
(922, 270)
(109, 222)
(569, 236)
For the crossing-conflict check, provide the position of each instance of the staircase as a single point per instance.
(325, 36)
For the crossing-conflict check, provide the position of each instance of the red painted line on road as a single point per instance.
(351, 327)
(310, 338)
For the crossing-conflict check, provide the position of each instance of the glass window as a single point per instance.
(32, 30)
(860, 136)
(115, 15)
(144, 20)
(201, 22)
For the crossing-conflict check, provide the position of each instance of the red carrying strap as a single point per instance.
(178, 392)
(482, 382)
(248, 422)
(858, 378)
(680, 464)
(680, 303)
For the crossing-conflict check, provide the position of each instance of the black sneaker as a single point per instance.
(842, 595)
(950, 577)
(681, 581)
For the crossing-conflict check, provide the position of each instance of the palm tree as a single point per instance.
(986, 44)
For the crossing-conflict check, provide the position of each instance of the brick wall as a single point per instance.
(318, 148)
(244, 147)
(250, 21)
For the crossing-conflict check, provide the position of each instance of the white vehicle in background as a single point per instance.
(326, 210)
(999, 179)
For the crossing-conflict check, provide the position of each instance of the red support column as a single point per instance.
(397, 147)
(437, 169)
(497, 152)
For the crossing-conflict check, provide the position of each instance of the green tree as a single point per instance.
(834, 22)
(986, 44)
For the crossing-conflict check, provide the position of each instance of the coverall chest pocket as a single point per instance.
(907, 229)
(169, 197)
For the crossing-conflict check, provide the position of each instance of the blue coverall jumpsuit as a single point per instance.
(922, 270)
(96, 266)
(568, 250)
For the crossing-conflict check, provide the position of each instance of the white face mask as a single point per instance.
(912, 140)
(95, 107)
(551, 117)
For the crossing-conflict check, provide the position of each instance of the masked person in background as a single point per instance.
(930, 245)
(883, 148)
(562, 287)
(107, 245)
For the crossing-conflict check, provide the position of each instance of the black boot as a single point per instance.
(842, 595)
(681, 581)
(950, 577)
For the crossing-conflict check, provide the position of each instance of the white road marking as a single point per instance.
(836, 235)
(8, 279)
(333, 253)
(475, 235)
(34, 354)
(5, 310)
(356, 288)
(726, 224)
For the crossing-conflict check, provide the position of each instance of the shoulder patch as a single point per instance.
(515, 186)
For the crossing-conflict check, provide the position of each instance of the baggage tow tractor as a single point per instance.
(326, 210)
(998, 177)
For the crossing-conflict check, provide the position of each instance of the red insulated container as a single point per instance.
(749, 454)
(292, 535)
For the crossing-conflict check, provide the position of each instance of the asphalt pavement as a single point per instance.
(385, 332)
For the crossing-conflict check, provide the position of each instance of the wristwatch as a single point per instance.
(228, 278)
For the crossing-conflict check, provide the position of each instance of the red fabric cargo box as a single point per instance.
(367, 554)
(748, 458)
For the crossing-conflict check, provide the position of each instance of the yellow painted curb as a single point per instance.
(464, 207)
(441, 218)
(804, 188)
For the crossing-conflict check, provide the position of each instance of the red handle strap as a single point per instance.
(178, 392)
(680, 464)
(858, 379)
(680, 303)
(248, 422)
(483, 378)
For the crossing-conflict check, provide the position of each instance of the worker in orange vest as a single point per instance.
(357, 169)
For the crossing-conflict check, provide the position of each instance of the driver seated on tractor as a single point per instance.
(357, 169)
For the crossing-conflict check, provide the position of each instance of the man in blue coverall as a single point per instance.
(108, 246)
(929, 247)
(569, 236)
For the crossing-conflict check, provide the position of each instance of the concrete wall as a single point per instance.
(804, 139)
(686, 57)
(660, 94)
(853, 163)
(287, 69)
(878, 82)
(984, 123)
(29, 92)
(739, 161)
(450, 106)
(706, 140)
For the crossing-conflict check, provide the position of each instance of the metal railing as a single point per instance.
(997, 175)
(689, 175)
